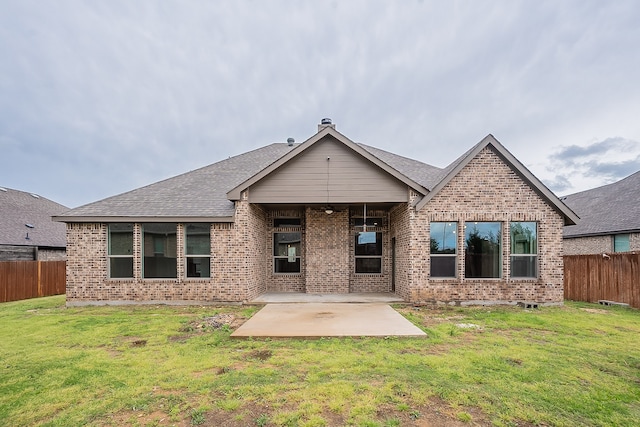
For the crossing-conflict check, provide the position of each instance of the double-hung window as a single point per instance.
(197, 252)
(287, 245)
(524, 249)
(120, 251)
(159, 250)
(368, 246)
(483, 250)
(444, 248)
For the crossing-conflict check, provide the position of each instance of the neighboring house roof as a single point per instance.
(207, 194)
(610, 209)
(22, 213)
(489, 141)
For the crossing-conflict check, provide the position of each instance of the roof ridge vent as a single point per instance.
(3, 189)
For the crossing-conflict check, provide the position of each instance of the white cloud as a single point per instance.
(120, 94)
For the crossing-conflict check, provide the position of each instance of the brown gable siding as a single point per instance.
(351, 179)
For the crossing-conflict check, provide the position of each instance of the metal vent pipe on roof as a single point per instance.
(326, 123)
(290, 142)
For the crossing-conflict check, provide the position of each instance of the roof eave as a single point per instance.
(601, 233)
(105, 219)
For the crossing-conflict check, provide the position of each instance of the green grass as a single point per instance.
(153, 366)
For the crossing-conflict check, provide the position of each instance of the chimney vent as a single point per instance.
(326, 123)
(290, 142)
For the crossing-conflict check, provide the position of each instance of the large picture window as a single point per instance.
(197, 243)
(483, 250)
(120, 251)
(444, 248)
(368, 252)
(524, 249)
(287, 245)
(159, 250)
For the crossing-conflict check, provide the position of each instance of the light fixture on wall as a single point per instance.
(328, 209)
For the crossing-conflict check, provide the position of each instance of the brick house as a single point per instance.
(26, 230)
(325, 216)
(609, 219)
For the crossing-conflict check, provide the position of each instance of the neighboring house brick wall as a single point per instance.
(634, 242)
(488, 190)
(587, 245)
(327, 255)
(596, 244)
(52, 254)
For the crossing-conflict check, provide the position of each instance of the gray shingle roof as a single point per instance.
(610, 209)
(426, 175)
(199, 193)
(202, 194)
(18, 208)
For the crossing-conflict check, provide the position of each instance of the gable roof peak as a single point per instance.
(454, 168)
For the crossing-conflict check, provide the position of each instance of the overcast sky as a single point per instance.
(101, 97)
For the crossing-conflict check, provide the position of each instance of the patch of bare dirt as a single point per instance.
(437, 413)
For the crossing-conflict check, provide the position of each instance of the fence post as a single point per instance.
(39, 278)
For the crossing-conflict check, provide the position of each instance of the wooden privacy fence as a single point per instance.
(31, 279)
(610, 277)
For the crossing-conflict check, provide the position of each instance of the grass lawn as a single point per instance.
(575, 365)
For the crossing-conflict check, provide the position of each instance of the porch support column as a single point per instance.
(327, 252)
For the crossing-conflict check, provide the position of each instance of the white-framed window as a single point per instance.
(159, 250)
(524, 249)
(444, 249)
(197, 249)
(483, 250)
(120, 250)
(287, 245)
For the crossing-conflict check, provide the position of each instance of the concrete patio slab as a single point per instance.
(315, 320)
(300, 297)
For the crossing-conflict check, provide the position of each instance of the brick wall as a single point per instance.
(237, 265)
(597, 244)
(327, 255)
(487, 190)
(634, 242)
(400, 229)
